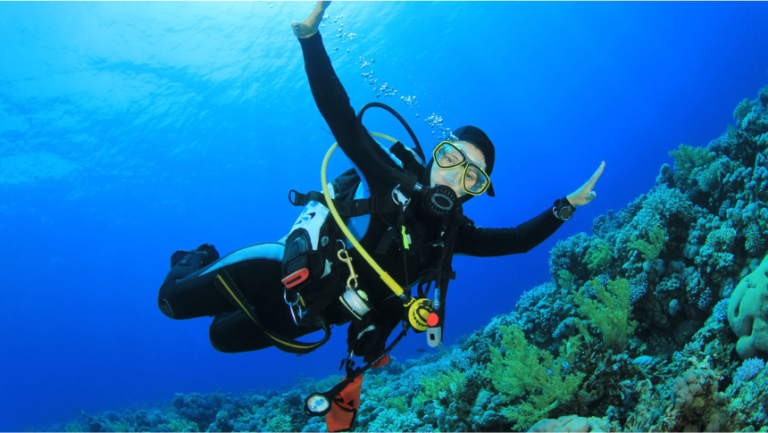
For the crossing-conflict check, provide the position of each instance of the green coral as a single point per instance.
(279, 423)
(710, 178)
(392, 420)
(439, 389)
(525, 369)
(687, 158)
(565, 279)
(742, 110)
(122, 425)
(599, 255)
(177, 423)
(609, 313)
(399, 403)
(651, 248)
(74, 426)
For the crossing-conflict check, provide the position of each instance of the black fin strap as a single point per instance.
(228, 288)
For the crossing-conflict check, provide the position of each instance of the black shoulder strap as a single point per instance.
(347, 182)
(353, 208)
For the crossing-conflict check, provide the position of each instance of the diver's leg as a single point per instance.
(190, 288)
(234, 332)
(257, 273)
(260, 281)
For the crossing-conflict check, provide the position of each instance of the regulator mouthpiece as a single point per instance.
(439, 201)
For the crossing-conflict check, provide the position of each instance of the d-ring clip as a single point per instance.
(344, 257)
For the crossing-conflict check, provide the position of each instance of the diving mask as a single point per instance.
(474, 179)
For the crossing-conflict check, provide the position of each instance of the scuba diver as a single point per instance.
(359, 248)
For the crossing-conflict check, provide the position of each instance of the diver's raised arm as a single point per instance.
(333, 102)
(308, 26)
(487, 242)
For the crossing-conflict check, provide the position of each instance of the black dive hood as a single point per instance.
(439, 200)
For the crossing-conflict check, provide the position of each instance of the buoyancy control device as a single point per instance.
(312, 246)
(317, 246)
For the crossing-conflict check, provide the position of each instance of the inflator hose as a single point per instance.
(385, 277)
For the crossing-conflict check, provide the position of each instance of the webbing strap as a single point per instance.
(227, 286)
(445, 272)
(352, 208)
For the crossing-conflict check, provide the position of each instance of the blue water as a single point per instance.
(129, 130)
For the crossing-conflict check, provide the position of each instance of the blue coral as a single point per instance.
(638, 286)
(705, 299)
(748, 370)
(720, 312)
(754, 243)
(197, 408)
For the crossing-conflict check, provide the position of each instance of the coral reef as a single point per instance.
(657, 321)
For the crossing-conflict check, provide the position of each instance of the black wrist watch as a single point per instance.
(563, 210)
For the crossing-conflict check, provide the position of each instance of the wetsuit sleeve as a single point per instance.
(334, 105)
(482, 242)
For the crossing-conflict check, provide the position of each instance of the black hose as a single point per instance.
(364, 136)
(398, 117)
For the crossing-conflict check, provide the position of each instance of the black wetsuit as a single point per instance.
(188, 292)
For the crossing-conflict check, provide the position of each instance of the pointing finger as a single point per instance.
(597, 175)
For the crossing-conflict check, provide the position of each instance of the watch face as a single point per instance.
(565, 213)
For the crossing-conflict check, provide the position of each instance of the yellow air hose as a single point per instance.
(391, 283)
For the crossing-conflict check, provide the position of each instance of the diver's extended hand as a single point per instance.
(309, 25)
(586, 193)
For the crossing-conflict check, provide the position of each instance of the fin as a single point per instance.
(178, 256)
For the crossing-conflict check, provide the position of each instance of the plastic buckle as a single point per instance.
(296, 278)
